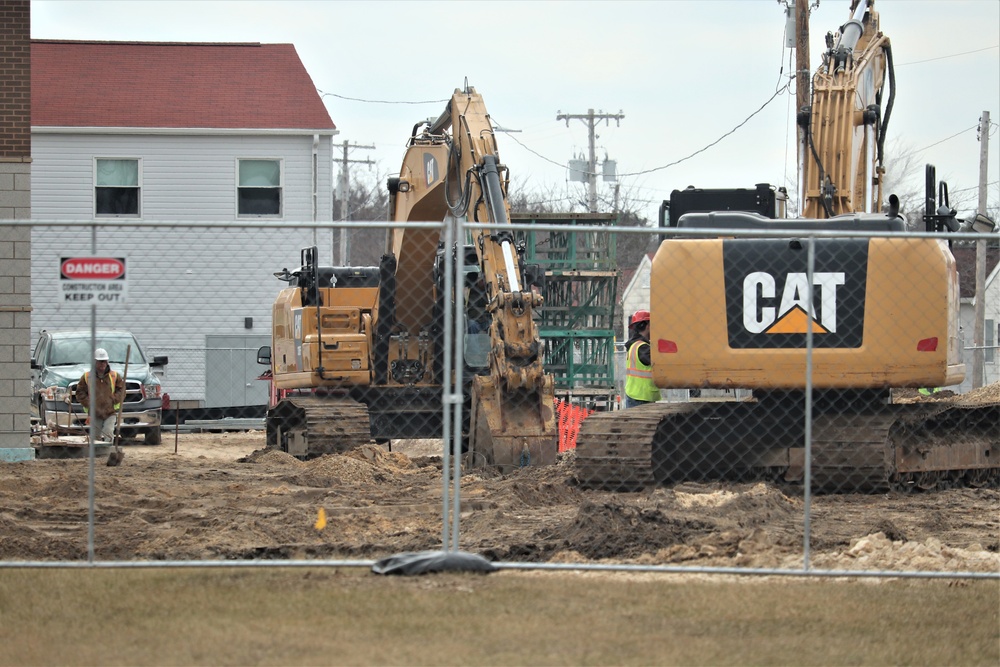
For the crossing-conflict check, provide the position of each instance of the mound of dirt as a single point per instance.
(271, 457)
(223, 496)
(983, 395)
(988, 395)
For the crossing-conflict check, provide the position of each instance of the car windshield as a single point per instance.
(78, 351)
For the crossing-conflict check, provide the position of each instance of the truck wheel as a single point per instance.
(153, 436)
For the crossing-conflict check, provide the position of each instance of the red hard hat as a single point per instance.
(639, 316)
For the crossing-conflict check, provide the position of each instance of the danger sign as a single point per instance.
(93, 280)
(101, 268)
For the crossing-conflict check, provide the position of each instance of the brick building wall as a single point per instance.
(15, 240)
(15, 73)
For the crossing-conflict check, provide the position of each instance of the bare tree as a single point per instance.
(368, 200)
(904, 177)
(631, 247)
(525, 198)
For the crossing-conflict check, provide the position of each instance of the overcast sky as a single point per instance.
(683, 72)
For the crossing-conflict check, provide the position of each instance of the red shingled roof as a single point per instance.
(164, 84)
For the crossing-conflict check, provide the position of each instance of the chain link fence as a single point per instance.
(481, 403)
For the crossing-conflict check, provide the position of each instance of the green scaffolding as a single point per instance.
(576, 322)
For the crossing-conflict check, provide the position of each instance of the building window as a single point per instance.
(116, 186)
(259, 191)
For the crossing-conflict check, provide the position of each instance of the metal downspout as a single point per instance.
(315, 185)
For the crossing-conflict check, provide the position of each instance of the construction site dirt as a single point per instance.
(222, 496)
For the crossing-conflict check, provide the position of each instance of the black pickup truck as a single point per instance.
(60, 358)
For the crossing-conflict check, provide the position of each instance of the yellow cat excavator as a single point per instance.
(359, 352)
(854, 312)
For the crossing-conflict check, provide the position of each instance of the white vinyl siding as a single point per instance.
(990, 342)
(991, 320)
(185, 284)
(184, 177)
(991, 316)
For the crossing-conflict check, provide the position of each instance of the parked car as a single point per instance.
(59, 360)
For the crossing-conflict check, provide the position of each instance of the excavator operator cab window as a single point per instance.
(475, 300)
(311, 296)
(477, 320)
(477, 349)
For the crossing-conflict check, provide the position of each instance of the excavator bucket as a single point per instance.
(512, 430)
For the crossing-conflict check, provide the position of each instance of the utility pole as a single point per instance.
(802, 86)
(345, 198)
(979, 330)
(591, 119)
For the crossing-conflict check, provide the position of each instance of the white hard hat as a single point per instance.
(100, 354)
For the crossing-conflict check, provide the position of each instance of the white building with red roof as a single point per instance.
(170, 131)
(131, 133)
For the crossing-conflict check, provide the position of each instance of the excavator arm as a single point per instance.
(845, 126)
(452, 168)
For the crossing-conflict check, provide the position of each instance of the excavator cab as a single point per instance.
(763, 199)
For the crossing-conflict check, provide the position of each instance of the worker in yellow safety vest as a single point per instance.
(109, 392)
(639, 385)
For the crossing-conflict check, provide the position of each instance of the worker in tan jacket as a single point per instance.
(109, 392)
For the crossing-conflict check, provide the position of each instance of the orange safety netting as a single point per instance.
(569, 418)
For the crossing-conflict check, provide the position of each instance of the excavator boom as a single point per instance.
(452, 168)
(846, 122)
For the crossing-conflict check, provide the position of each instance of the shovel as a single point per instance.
(69, 418)
(116, 455)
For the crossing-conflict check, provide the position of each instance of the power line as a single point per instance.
(531, 150)
(953, 55)
(974, 187)
(561, 165)
(683, 159)
(358, 99)
(702, 150)
(948, 138)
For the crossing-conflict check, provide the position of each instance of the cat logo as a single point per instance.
(430, 169)
(791, 315)
(771, 298)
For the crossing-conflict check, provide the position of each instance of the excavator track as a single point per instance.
(307, 427)
(946, 445)
(895, 447)
(614, 449)
(906, 448)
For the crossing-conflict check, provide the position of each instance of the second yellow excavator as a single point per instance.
(820, 317)
(359, 352)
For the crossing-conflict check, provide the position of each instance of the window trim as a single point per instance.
(281, 189)
(93, 189)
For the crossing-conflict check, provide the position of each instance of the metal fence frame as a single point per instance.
(452, 413)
